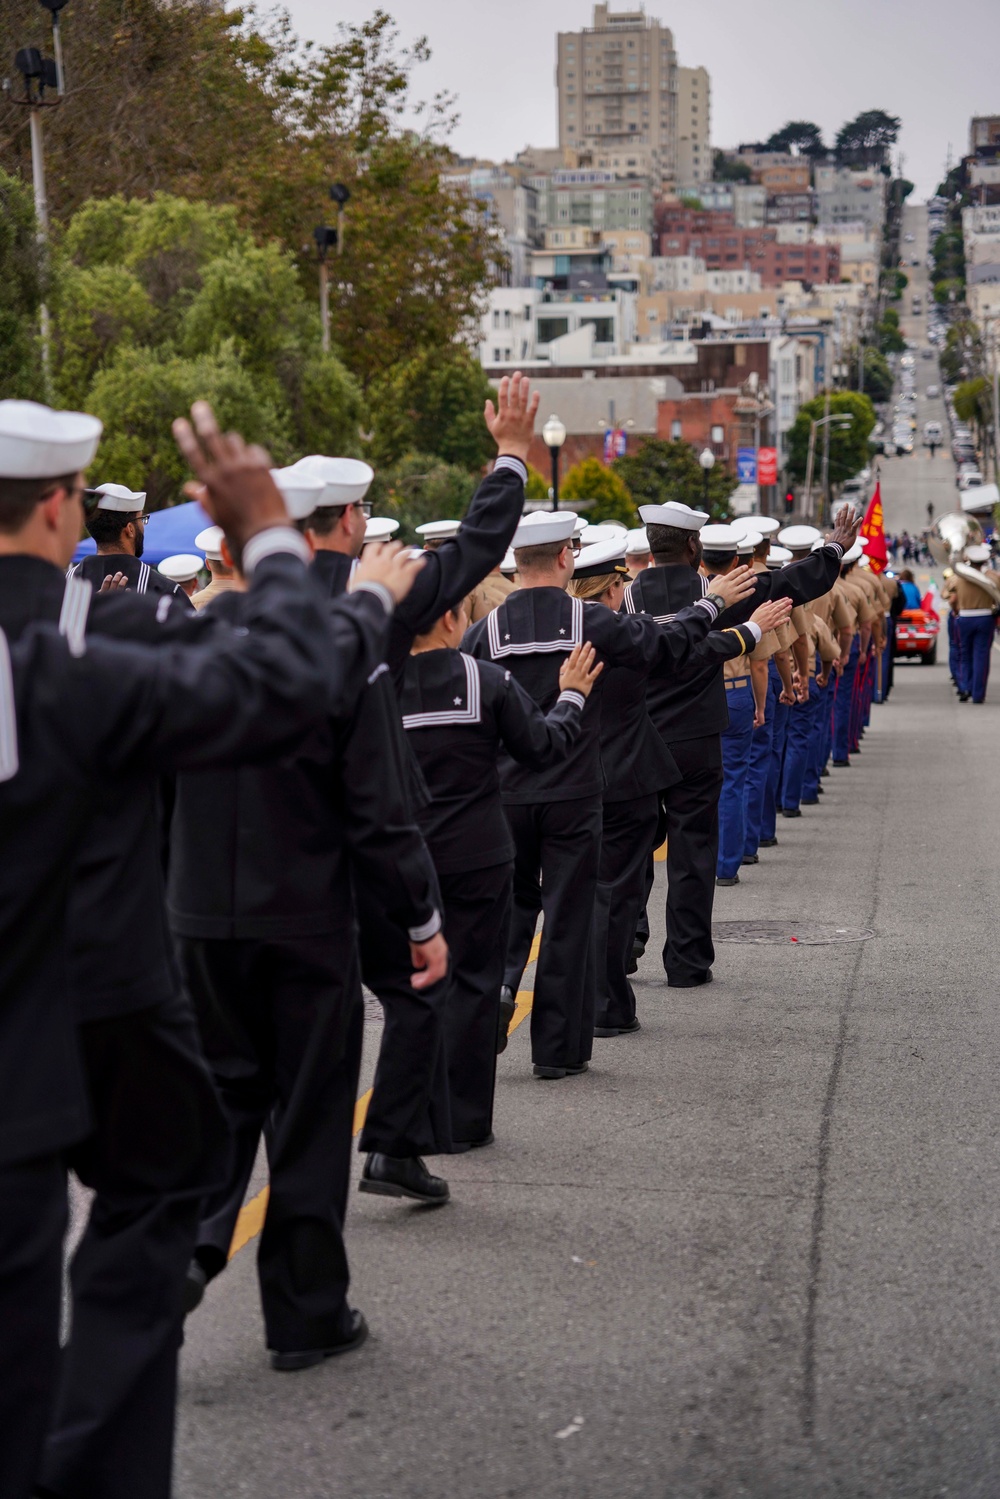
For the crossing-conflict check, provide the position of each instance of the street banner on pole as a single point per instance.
(873, 533)
(767, 466)
(746, 465)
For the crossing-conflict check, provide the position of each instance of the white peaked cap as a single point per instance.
(300, 492)
(119, 497)
(719, 538)
(606, 531)
(345, 480)
(579, 527)
(601, 557)
(673, 513)
(542, 526)
(778, 556)
(853, 553)
(748, 540)
(637, 542)
(210, 542)
(182, 568)
(39, 443)
(380, 528)
(799, 537)
(764, 525)
(509, 563)
(979, 552)
(439, 530)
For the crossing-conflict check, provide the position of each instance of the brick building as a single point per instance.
(715, 239)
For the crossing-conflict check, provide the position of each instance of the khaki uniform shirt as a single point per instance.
(212, 590)
(968, 596)
(488, 595)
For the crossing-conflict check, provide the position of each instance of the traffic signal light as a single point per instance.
(789, 502)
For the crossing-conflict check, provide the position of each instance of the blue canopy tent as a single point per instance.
(167, 533)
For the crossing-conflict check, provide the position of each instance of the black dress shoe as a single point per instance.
(824, 772)
(751, 858)
(308, 1358)
(402, 1176)
(963, 697)
(691, 983)
(791, 812)
(618, 1030)
(821, 791)
(730, 879)
(842, 764)
(810, 801)
(553, 1074)
(768, 843)
(508, 1004)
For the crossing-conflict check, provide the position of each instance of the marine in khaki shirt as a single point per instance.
(488, 595)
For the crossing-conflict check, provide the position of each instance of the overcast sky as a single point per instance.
(932, 62)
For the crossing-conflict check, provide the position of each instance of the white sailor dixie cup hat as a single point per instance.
(601, 558)
(799, 538)
(778, 556)
(748, 540)
(345, 480)
(300, 490)
(210, 542)
(39, 443)
(853, 553)
(439, 530)
(119, 497)
(978, 552)
(673, 513)
(719, 538)
(543, 526)
(509, 564)
(637, 542)
(765, 525)
(182, 568)
(605, 531)
(380, 528)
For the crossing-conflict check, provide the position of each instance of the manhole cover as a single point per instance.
(804, 933)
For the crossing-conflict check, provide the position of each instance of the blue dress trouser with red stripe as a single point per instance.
(800, 732)
(976, 634)
(769, 818)
(761, 747)
(844, 705)
(819, 744)
(736, 743)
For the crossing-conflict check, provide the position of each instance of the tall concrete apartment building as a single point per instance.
(619, 85)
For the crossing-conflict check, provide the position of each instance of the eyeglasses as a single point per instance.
(365, 506)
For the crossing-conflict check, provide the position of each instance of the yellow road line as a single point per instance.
(252, 1214)
(660, 853)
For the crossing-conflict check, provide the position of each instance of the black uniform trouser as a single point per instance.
(476, 926)
(621, 885)
(282, 1023)
(32, 1224)
(558, 846)
(408, 1114)
(159, 1141)
(689, 821)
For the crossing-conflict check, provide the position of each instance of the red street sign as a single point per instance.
(767, 465)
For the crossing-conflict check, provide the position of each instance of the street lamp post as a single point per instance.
(554, 435)
(325, 238)
(837, 420)
(707, 460)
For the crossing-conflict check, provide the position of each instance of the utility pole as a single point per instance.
(41, 73)
(325, 237)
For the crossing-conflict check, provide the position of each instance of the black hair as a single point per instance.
(668, 543)
(18, 498)
(107, 525)
(323, 521)
(717, 560)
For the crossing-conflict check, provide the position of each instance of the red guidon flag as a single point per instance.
(872, 533)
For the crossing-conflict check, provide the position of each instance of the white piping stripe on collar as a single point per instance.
(471, 713)
(8, 715)
(73, 614)
(143, 582)
(534, 647)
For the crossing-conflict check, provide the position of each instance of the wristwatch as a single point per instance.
(717, 600)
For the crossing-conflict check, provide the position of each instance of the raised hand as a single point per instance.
(734, 586)
(113, 583)
(512, 421)
(771, 614)
(578, 672)
(846, 525)
(238, 491)
(391, 564)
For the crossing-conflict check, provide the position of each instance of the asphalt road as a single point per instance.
(752, 1252)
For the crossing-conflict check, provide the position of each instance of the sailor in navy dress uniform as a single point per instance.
(78, 714)
(459, 715)
(556, 816)
(116, 520)
(689, 711)
(184, 569)
(260, 901)
(636, 765)
(337, 528)
(407, 1116)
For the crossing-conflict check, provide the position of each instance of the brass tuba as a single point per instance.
(949, 537)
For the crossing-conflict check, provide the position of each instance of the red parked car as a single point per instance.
(917, 635)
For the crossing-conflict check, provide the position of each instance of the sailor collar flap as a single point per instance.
(664, 591)
(457, 695)
(535, 622)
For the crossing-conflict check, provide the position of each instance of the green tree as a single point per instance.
(799, 136)
(898, 282)
(877, 377)
(537, 487)
(660, 470)
(951, 289)
(21, 285)
(724, 169)
(421, 488)
(890, 340)
(974, 403)
(590, 480)
(866, 140)
(962, 355)
(849, 446)
(432, 403)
